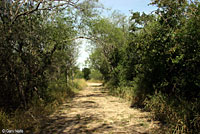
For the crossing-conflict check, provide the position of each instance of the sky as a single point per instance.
(123, 6)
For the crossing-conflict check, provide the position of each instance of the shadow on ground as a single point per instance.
(87, 114)
(78, 124)
(75, 123)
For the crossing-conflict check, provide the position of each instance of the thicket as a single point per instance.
(152, 59)
(95, 76)
(156, 59)
(37, 57)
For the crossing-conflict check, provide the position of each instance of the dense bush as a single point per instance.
(33, 52)
(31, 120)
(37, 57)
(157, 57)
(95, 75)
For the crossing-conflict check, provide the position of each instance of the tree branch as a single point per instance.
(27, 12)
(68, 3)
(18, 7)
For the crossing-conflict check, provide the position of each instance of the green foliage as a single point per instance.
(158, 59)
(182, 116)
(37, 57)
(30, 120)
(86, 73)
(123, 92)
(95, 75)
(153, 60)
(109, 36)
(34, 51)
(98, 62)
(78, 74)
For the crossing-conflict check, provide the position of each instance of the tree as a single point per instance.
(86, 73)
(109, 37)
(157, 58)
(36, 47)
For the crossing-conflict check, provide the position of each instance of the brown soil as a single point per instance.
(93, 111)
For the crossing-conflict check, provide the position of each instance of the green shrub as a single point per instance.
(123, 92)
(96, 75)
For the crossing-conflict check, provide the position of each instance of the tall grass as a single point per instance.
(123, 92)
(30, 120)
(80, 83)
(178, 115)
(182, 117)
(27, 119)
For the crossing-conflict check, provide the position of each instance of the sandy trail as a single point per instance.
(93, 111)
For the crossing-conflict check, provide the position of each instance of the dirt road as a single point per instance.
(93, 111)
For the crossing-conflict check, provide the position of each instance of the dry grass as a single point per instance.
(96, 81)
(80, 83)
(94, 111)
(30, 120)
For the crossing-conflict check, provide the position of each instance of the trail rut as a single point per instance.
(93, 111)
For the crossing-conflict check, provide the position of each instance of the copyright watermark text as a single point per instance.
(10, 131)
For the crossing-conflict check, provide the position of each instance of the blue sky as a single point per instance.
(123, 6)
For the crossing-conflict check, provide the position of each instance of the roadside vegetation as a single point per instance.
(38, 55)
(30, 120)
(153, 60)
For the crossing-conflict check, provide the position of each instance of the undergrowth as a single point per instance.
(79, 83)
(29, 120)
(178, 115)
(123, 92)
(182, 117)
